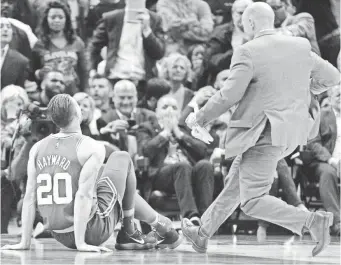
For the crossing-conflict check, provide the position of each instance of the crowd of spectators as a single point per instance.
(137, 68)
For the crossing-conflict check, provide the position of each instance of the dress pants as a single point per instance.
(249, 182)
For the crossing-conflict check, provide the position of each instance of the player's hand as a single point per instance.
(19, 246)
(90, 248)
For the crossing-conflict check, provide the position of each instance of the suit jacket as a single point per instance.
(270, 81)
(322, 147)
(108, 33)
(220, 50)
(141, 116)
(154, 146)
(14, 70)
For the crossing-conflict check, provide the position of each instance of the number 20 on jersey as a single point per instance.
(52, 184)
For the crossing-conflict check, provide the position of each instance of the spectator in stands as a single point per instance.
(323, 164)
(101, 90)
(53, 83)
(96, 12)
(186, 22)
(126, 117)
(14, 66)
(226, 38)
(59, 48)
(300, 25)
(327, 29)
(199, 77)
(89, 126)
(13, 98)
(155, 89)
(23, 38)
(221, 10)
(134, 40)
(177, 70)
(176, 163)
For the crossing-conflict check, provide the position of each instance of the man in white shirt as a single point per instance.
(134, 37)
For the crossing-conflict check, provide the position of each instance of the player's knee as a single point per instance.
(119, 155)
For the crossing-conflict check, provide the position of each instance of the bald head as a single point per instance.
(256, 17)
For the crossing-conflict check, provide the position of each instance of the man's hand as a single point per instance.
(204, 94)
(19, 246)
(144, 17)
(115, 126)
(90, 248)
(333, 162)
(177, 132)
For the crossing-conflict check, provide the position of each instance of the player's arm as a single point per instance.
(86, 186)
(29, 204)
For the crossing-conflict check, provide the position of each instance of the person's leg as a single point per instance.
(120, 171)
(221, 208)
(225, 204)
(178, 178)
(329, 192)
(287, 184)
(203, 184)
(263, 225)
(256, 173)
(7, 199)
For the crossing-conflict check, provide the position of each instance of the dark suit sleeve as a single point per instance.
(318, 151)
(99, 40)
(24, 73)
(219, 50)
(233, 90)
(82, 69)
(154, 44)
(149, 143)
(195, 148)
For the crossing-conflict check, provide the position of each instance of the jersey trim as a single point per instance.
(113, 201)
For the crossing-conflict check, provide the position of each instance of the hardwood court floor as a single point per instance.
(224, 249)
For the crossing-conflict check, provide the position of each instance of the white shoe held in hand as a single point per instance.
(202, 134)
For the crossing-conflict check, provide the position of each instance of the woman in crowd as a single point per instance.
(92, 123)
(59, 48)
(177, 70)
(13, 99)
(199, 77)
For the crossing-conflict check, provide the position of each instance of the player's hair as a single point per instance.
(61, 110)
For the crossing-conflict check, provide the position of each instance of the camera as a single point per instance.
(40, 124)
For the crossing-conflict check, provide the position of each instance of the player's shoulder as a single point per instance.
(88, 147)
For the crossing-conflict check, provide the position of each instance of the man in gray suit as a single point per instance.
(272, 78)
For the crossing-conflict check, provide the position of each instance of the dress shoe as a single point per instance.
(335, 230)
(319, 230)
(191, 232)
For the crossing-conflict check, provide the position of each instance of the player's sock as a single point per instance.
(128, 221)
(156, 220)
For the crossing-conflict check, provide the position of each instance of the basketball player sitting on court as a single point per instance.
(81, 203)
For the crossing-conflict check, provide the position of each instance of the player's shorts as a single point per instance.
(101, 225)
